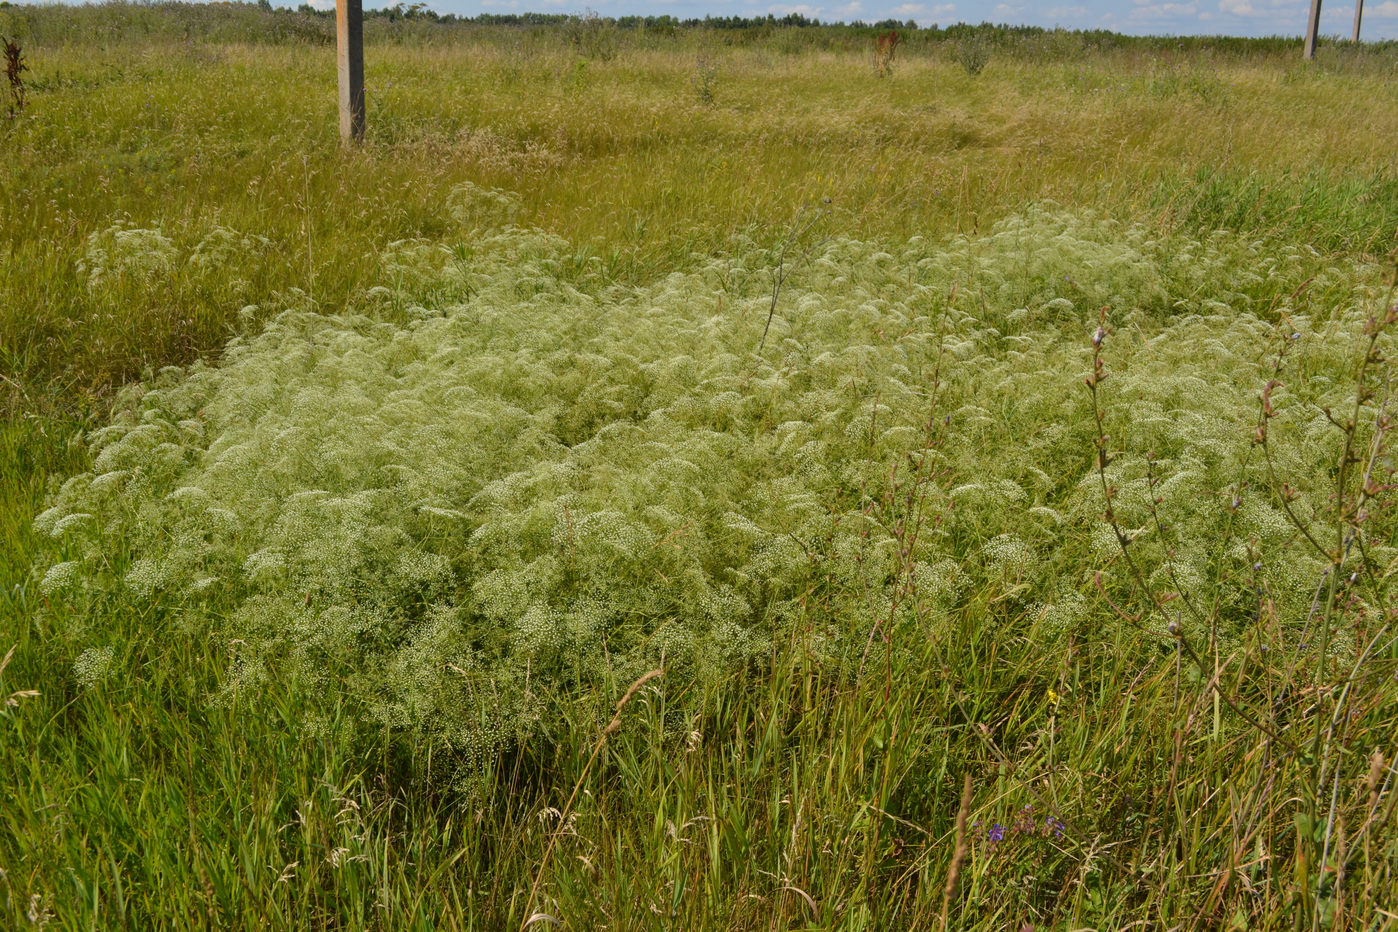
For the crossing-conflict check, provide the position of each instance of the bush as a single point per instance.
(973, 54)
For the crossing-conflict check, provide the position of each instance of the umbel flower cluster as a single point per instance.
(498, 483)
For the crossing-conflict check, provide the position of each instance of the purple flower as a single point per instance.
(1054, 827)
(996, 833)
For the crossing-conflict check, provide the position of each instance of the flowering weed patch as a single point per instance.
(529, 488)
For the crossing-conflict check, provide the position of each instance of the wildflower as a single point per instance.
(996, 833)
(72, 520)
(92, 666)
(1052, 826)
(59, 576)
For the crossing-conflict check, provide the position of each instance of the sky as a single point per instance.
(1138, 17)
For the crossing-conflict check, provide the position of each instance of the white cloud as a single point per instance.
(1162, 11)
(800, 9)
(920, 12)
(1260, 7)
(1338, 14)
(1388, 10)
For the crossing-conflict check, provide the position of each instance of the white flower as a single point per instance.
(91, 666)
(59, 576)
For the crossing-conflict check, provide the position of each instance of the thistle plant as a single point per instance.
(593, 36)
(973, 54)
(704, 79)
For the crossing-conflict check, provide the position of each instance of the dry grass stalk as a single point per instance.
(567, 810)
(615, 723)
(1371, 783)
(959, 855)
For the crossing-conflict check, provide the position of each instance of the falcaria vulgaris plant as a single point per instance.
(1306, 684)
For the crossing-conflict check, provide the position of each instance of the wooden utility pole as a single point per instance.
(1358, 17)
(349, 46)
(1312, 31)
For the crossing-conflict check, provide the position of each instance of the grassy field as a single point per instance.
(997, 467)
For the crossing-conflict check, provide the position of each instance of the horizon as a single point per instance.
(1242, 18)
(1231, 18)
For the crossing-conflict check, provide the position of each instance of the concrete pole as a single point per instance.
(1358, 17)
(1312, 31)
(349, 47)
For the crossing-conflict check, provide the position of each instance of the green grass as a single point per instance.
(1217, 196)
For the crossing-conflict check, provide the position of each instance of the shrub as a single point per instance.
(973, 54)
(592, 36)
(704, 79)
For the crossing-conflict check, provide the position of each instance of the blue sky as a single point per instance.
(1172, 17)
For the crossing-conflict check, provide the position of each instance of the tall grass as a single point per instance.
(894, 547)
(618, 156)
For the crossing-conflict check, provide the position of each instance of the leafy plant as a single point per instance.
(592, 36)
(973, 54)
(704, 80)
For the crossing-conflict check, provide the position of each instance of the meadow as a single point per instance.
(688, 477)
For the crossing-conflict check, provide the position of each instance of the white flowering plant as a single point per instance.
(495, 483)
